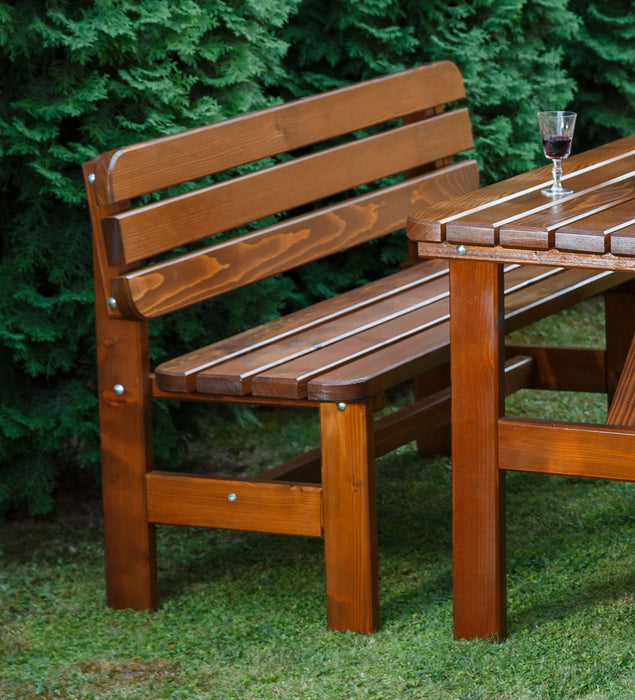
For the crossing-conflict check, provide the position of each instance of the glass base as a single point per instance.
(554, 191)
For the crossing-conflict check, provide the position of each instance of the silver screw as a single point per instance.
(232, 498)
(91, 178)
(112, 302)
(341, 406)
(461, 249)
(118, 389)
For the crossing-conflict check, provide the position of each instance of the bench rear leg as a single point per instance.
(350, 529)
(126, 454)
(437, 441)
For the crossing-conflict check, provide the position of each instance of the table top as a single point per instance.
(512, 221)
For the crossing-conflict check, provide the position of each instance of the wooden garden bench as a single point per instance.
(338, 356)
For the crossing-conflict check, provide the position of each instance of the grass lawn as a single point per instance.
(242, 615)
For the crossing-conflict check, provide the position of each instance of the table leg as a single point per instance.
(478, 488)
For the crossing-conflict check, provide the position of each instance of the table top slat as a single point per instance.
(526, 211)
(539, 230)
(593, 234)
(430, 223)
(623, 242)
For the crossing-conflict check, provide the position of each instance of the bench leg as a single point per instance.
(436, 441)
(350, 530)
(126, 457)
(478, 488)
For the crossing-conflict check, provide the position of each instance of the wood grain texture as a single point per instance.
(478, 488)
(567, 449)
(159, 289)
(163, 162)
(147, 231)
(350, 529)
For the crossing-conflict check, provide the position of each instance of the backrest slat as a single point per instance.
(159, 289)
(146, 231)
(303, 163)
(153, 165)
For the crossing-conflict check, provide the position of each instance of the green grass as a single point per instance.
(242, 615)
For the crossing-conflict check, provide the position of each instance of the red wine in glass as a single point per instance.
(556, 131)
(557, 146)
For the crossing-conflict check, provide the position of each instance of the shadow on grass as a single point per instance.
(573, 601)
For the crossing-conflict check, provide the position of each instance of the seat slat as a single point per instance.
(284, 366)
(289, 376)
(147, 231)
(405, 359)
(159, 289)
(375, 355)
(179, 374)
(166, 161)
(361, 328)
(289, 379)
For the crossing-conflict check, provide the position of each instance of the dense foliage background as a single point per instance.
(81, 77)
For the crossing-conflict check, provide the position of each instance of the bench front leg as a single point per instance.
(350, 528)
(126, 456)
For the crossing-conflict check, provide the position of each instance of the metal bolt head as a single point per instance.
(118, 389)
(232, 498)
(461, 249)
(112, 302)
(341, 406)
(91, 178)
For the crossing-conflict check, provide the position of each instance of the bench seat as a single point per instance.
(363, 342)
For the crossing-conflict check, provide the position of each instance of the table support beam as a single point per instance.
(566, 449)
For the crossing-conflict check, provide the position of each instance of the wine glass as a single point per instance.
(556, 130)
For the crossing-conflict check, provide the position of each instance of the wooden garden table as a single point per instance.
(510, 223)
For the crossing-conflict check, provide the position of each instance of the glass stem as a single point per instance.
(557, 174)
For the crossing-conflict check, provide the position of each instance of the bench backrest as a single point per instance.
(309, 150)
